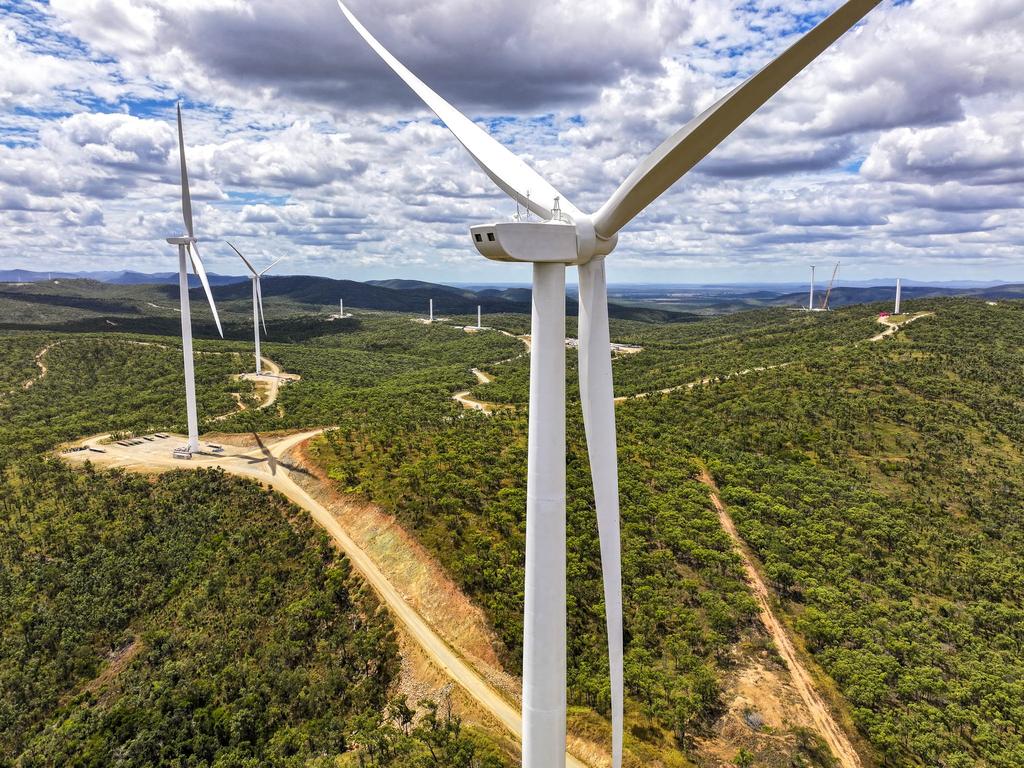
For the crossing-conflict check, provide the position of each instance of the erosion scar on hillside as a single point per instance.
(821, 715)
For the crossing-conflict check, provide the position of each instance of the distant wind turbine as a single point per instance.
(188, 252)
(569, 237)
(257, 303)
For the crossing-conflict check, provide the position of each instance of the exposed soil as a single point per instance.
(893, 325)
(821, 716)
(117, 660)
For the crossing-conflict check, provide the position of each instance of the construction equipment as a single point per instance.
(831, 285)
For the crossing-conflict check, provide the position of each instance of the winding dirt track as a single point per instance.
(40, 361)
(826, 725)
(893, 327)
(466, 399)
(270, 380)
(269, 464)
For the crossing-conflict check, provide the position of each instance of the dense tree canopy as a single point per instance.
(879, 484)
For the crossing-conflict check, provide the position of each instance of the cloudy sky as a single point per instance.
(900, 151)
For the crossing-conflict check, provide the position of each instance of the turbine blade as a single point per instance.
(197, 267)
(680, 152)
(515, 178)
(250, 266)
(259, 301)
(186, 194)
(271, 266)
(597, 397)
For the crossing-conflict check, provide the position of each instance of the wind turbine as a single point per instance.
(569, 237)
(257, 303)
(810, 301)
(188, 252)
(899, 295)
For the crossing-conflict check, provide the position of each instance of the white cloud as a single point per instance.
(975, 151)
(903, 143)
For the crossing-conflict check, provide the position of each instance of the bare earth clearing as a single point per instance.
(268, 386)
(895, 323)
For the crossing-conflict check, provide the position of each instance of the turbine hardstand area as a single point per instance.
(567, 236)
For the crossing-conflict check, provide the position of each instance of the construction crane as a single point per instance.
(831, 285)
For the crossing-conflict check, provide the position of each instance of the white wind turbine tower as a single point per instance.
(569, 237)
(899, 295)
(257, 303)
(188, 251)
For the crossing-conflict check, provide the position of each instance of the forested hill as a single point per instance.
(193, 619)
(879, 485)
(91, 305)
(844, 296)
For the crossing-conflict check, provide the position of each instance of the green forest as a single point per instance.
(189, 619)
(880, 486)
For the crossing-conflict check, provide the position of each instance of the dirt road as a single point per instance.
(40, 360)
(466, 399)
(821, 715)
(893, 327)
(269, 382)
(267, 463)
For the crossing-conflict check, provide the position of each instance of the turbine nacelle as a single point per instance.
(555, 241)
(181, 240)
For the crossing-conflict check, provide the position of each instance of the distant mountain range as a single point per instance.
(128, 277)
(135, 294)
(114, 278)
(654, 302)
(844, 295)
(415, 296)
